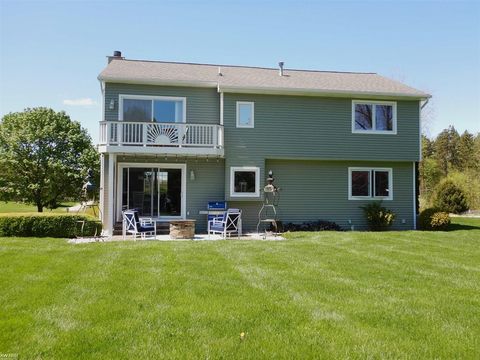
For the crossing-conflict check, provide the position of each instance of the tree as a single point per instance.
(466, 151)
(450, 198)
(476, 151)
(430, 176)
(446, 149)
(44, 157)
(427, 147)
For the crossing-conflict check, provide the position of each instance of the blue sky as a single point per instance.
(52, 51)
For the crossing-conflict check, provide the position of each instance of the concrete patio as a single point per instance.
(198, 237)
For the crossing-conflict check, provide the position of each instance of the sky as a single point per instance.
(51, 52)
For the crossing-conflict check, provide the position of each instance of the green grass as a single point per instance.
(14, 207)
(406, 295)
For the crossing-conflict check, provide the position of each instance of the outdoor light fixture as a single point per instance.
(192, 175)
(112, 104)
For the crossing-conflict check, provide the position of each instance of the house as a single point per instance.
(174, 136)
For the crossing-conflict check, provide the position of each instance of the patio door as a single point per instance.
(155, 192)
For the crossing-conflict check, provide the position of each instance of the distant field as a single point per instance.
(14, 207)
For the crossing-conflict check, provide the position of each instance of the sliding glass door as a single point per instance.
(153, 191)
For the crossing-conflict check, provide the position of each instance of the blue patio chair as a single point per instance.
(132, 224)
(226, 225)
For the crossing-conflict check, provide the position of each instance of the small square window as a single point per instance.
(245, 114)
(244, 181)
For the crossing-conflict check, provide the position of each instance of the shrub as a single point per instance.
(319, 225)
(440, 221)
(450, 198)
(61, 226)
(433, 219)
(469, 181)
(378, 217)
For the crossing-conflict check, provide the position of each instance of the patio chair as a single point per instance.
(226, 225)
(132, 224)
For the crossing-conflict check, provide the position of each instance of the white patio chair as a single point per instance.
(227, 225)
(133, 225)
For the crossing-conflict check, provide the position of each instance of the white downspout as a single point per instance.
(220, 134)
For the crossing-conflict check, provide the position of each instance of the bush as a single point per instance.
(450, 198)
(440, 221)
(469, 181)
(319, 225)
(433, 219)
(61, 226)
(378, 217)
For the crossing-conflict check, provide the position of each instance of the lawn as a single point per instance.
(405, 295)
(14, 207)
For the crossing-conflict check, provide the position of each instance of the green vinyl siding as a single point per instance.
(203, 104)
(296, 127)
(207, 186)
(313, 190)
(316, 128)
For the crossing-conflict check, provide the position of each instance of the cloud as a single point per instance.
(80, 102)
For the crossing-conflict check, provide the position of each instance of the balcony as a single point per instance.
(161, 138)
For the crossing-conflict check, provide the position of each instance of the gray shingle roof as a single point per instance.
(256, 79)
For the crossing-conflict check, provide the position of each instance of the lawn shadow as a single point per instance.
(456, 227)
(62, 206)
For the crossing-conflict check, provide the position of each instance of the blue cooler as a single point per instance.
(216, 207)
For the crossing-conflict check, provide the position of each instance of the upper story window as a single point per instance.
(152, 108)
(245, 114)
(370, 184)
(377, 117)
(245, 181)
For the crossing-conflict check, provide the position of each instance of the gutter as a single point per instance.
(426, 102)
(318, 92)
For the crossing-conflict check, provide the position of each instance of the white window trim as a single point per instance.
(232, 181)
(238, 114)
(121, 97)
(393, 104)
(370, 180)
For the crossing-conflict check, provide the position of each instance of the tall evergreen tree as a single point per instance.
(466, 151)
(476, 151)
(427, 147)
(446, 150)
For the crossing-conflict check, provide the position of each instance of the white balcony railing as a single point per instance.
(155, 134)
